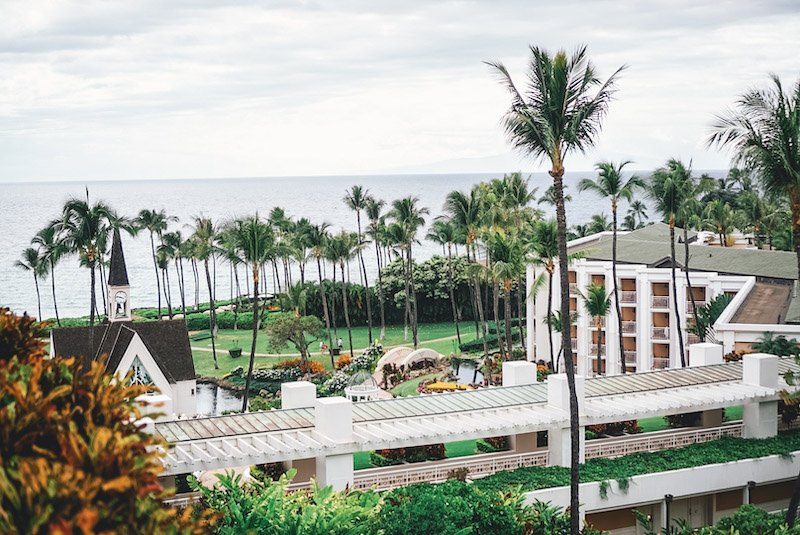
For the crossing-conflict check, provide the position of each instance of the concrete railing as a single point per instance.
(627, 297)
(611, 448)
(659, 333)
(629, 326)
(659, 301)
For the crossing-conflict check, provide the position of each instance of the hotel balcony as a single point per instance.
(659, 333)
(692, 339)
(659, 301)
(627, 297)
(574, 343)
(698, 303)
(660, 363)
(593, 350)
(629, 326)
(573, 286)
(593, 322)
(630, 357)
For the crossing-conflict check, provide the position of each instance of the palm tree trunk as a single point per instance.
(38, 297)
(507, 302)
(325, 311)
(333, 305)
(561, 221)
(155, 268)
(179, 276)
(553, 362)
(408, 299)
(599, 346)
(452, 295)
(474, 298)
(53, 282)
(92, 301)
(496, 306)
(616, 283)
(380, 290)
(486, 356)
(238, 299)
(167, 293)
(675, 289)
(520, 298)
(689, 280)
(794, 204)
(346, 311)
(369, 299)
(256, 317)
(413, 297)
(104, 286)
(212, 316)
(196, 284)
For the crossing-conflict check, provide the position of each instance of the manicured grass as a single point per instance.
(461, 448)
(204, 363)
(361, 460)
(659, 424)
(409, 388)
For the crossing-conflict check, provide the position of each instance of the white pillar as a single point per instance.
(705, 354)
(559, 442)
(334, 419)
(298, 395)
(519, 373)
(760, 419)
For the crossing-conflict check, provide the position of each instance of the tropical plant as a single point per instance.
(597, 303)
(557, 115)
(317, 239)
(638, 211)
(52, 249)
(155, 222)
(443, 232)
(376, 221)
(763, 133)
(357, 199)
(669, 187)
(611, 184)
(34, 263)
(508, 261)
(204, 240)
(300, 331)
(707, 315)
(776, 345)
(72, 455)
(342, 248)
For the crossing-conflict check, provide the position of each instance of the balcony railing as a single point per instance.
(659, 301)
(627, 297)
(593, 350)
(593, 322)
(660, 363)
(611, 448)
(630, 357)
(659, 333)
(692, 339)
(572, 287)
(629, 326)
(689, 306)
(574, 343)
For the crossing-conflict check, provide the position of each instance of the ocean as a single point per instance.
(26, 208)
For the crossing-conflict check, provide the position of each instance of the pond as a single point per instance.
(466, 373)
(213, 400)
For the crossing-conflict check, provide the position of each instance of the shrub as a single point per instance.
(72, 457)
(365, 361)
(474, 346)
(615, 428)
(336, 383)
(267, 472)
(342, 361)
(378, 459)
(689, 419)
(313, 366)
(492, 444)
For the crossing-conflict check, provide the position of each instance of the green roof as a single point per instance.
(650, 246)
(793, 315)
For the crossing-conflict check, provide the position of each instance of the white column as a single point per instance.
(518, 373)
(760, 419)
(559, 442)
(298, 395)
(334, 419)
(705, 354)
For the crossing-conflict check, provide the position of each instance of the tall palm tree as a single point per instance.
(155, 222)
(444, 232)
(204, 237)
(669, 187)
(638, 211)
(374, 207)
(549, 196)
(597, 303)
(763, 131)
(558, 115)
(611, 184)
(317, 240)
(410, 216)
(357, 199)
(33, 262)
(507, 253)
(52, 250)
(173, 241)
(254, 240)
(543, 242)
(342, 248)
(720, 218)
(163, 257)
(84, 228)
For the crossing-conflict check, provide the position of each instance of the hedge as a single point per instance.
(475, 346)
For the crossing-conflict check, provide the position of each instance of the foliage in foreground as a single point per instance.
(71, 458)
(747, 520)
(726, 449)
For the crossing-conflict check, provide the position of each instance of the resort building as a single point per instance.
(157, 352)
(762, 284)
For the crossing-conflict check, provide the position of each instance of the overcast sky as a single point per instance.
(100, 89)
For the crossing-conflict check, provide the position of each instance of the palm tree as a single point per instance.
(558, 115)
(444, 232)
(163, 257)
(317, 240)
(597, 304)
(155, 222)
(173, 241)
(669, 187)
(204, 237)
(720, 218)
(84, 228)
(549, 196)
(554, 324)
(254, 240)
(34, 262)
(374, 207)
(342, 248)
(763, 133)
(52, 249)
(410, 216)
(612, 185)
(507, 253)
(638, 211)
(357, 199)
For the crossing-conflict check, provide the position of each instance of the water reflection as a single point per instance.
(466, 373)
(213, 401)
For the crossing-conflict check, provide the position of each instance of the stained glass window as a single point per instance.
(140, 375)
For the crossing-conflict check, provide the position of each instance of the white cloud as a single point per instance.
(154, 89)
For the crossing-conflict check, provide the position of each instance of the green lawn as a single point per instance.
(453, 449)
(204, 364)
(659, 424)
(409, 388)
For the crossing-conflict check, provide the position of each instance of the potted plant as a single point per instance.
(235, 351)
